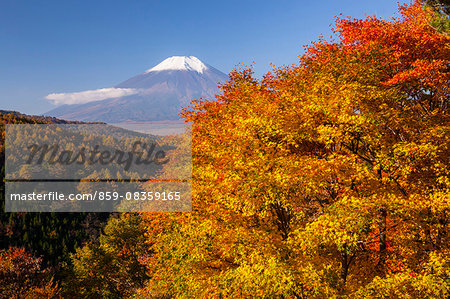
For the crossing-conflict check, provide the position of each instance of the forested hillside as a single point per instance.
(46, 239)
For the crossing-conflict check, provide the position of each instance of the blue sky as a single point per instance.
(69, 46)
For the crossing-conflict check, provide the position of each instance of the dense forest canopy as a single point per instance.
(324, 179)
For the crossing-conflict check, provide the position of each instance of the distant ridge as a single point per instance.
(40, 118)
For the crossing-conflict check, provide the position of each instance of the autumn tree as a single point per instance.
(110, 267)
(23, 276)
(323, 178)
(439, 11)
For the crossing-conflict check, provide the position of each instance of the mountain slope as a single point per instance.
(158, 94)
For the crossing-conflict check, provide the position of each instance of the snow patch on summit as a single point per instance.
(184, 63)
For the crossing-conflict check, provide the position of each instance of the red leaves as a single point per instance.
(21, 274)
(329, 142)
(19, 260)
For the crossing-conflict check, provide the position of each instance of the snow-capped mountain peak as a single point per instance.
(156, 95)
(184, 63)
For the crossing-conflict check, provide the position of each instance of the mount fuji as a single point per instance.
(155, 95)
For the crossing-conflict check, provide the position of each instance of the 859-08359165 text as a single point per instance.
(101, 196)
